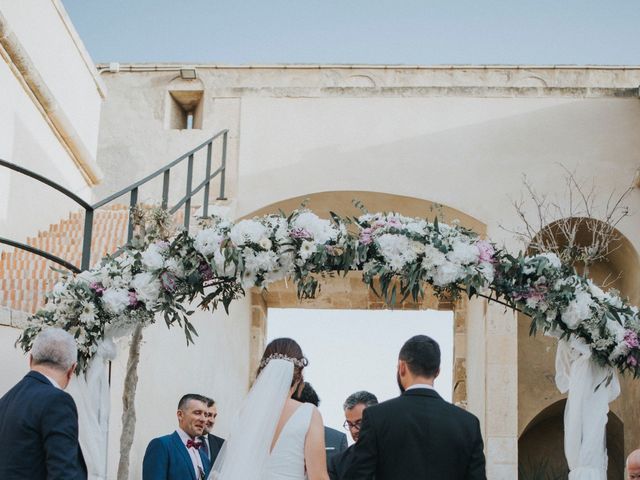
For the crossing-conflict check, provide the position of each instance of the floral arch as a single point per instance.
(398, 256)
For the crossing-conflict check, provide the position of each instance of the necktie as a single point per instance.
(203, 440)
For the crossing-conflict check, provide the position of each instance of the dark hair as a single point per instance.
(210, 402)
(182, 404)
(288, 348)
(309, 395)
(422, 355)
(361, 397)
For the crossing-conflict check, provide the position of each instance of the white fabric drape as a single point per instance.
(91, 394)
(245, 453)
(590, 389)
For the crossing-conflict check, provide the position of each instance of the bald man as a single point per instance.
(633, 465)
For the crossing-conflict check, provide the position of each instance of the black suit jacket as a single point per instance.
(338, 464)
(215, 444)
(39, 433)
(418, 436)
(335, 442)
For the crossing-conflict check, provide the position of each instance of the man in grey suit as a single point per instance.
(335, 441)
(354, 407)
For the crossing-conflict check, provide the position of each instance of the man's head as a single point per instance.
(192, 410)
(210, 415)
(354, 407)
(418, 362)
(633, 465)
(308, 395)
(54, 354)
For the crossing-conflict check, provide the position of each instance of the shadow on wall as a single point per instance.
(541, 446)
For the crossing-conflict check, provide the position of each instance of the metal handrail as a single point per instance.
(133, 190)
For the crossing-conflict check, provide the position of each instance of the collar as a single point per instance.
(184, 436)
(420, 385)
(53, 382)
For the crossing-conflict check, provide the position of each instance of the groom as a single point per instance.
(180, 455)
(418, 434)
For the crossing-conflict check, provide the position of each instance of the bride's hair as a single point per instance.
(287, 349)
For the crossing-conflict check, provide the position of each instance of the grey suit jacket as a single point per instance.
(335, 441)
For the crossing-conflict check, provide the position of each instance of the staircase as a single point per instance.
(25, 278)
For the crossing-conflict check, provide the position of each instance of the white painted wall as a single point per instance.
(27, 137)
(217, 365)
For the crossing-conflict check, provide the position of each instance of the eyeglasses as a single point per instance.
(348, 425)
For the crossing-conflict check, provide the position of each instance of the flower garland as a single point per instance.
(403, 254)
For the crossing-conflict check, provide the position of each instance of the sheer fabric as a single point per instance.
(590, 389)
(246, 451)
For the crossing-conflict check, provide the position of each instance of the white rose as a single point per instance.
(147, 288)
(152, 258)
(207, 241)
(115, 300)
(307, 249)
(321, 230)
(578, 310)
(447, 273)
(463, 253)
(247, 231)
(432, 258)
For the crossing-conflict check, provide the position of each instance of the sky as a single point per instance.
(351, 350)
(409, 32)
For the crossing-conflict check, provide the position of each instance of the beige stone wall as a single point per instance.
(399, 139)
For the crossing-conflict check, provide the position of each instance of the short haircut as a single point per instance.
(184, 401)
(56, 348)
(309, 395)
(422, 355)
(210, 402)
(362, 397)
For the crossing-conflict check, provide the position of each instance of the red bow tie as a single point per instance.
(191, 443)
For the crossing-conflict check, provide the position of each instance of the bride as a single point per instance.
(274, 436)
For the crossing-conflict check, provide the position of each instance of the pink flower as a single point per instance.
(300, 233)
(365, 236)
(394, 222)
(97, 287)
(486, 251)
(631, 360)
(631, 339)
(205, 270)
(133, 299)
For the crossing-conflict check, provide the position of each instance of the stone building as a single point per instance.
(397, 138)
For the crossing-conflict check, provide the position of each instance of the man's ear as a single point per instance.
(30, 361)
(437, 373)
(402, 368)
(70, 371)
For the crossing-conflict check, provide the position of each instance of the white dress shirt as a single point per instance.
(193, 452)
(420, 385)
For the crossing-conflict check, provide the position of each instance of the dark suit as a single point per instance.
(418, 436)
(339, 463)
(39, 433)
(335, 441)
(215, 444)
(167, 458)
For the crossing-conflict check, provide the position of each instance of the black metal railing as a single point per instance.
(133, 191)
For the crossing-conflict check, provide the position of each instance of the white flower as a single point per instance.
(207, 241)
(463, 253)
(247, 231)
(147, 288)
(616, 330)
(175, 266)
(620, 350)
(487, 270)
(396, 250)
(151, 258)
(88, 277)
(551, 257)
(432, 258)
(578, 310)
(265, 243)
(88, 315)
(447, 273)
(321, 230)
(260, 261)
(417, 247)
(307, 249)
(115, 300)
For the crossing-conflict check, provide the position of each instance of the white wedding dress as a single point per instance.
(286, 461)
(246, 453)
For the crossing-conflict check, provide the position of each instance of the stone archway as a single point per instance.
(350, 292)
(541, 445)
(536, 369)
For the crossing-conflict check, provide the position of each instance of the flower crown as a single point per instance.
(280, 356)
